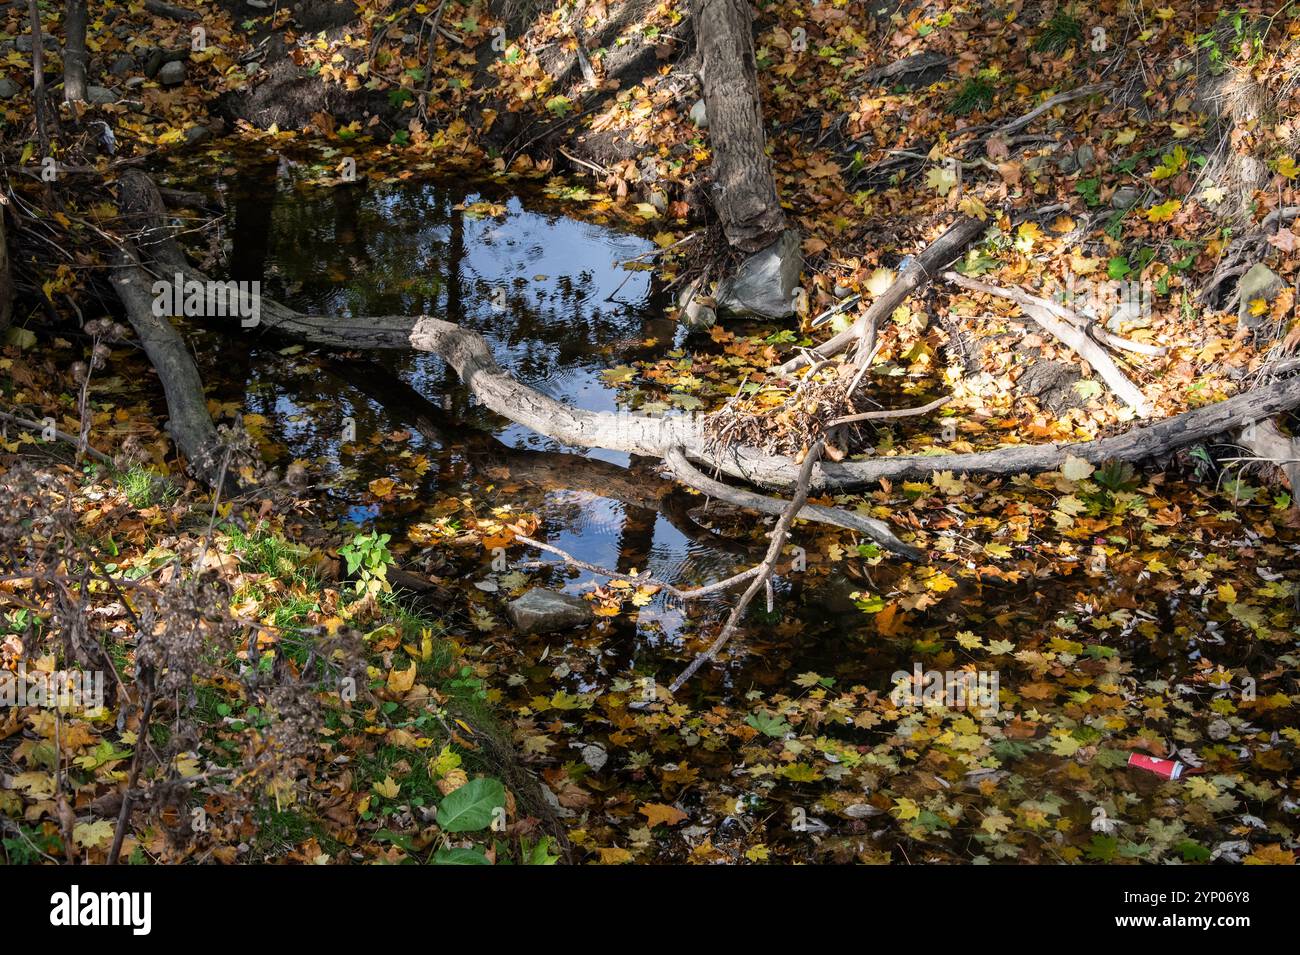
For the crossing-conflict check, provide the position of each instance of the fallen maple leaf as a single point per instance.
(657, 814)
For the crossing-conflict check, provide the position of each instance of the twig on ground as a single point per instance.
(890, 413)
(60, 435)
(1043, 313)
(693, 593)
(765, 569)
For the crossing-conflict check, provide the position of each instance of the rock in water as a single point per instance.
(765, 283)
(696, 315)
(1260, 282)
(545, 611)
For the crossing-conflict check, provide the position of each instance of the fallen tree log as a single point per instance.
(468, 354)
(682, 439)
(1135, 444)
(878, 531)
(188, 421)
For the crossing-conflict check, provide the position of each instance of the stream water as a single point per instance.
(548, 294)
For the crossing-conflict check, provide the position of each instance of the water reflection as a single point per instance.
(547, 292)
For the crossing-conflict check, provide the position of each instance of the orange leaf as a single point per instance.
(658, 813)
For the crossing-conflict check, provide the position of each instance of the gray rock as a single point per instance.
(156, 58)
(196, 134)
(100, 95)
(1259, 282)
(1125, 197)
(123, 65)
(765, 283)
(8, 88)
(1080, 160)
(700, 114)
(696, 315)
(134, 82)
(545, 611)
(594, 755)
(1085, 158)
(24, 41)
(172, 74)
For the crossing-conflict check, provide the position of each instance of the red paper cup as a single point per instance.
(1168, 768)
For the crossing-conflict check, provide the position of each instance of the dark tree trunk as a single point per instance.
(744, 188)
(6, 278)
(38, 77)
(74, 52)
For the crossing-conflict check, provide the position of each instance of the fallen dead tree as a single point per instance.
(1134, 445)
(682, 441)
(687, 445)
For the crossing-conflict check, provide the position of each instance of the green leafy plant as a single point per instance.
(368, 559)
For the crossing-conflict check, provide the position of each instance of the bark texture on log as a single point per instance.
(744, 186)
(189, 423)
(1136, 444)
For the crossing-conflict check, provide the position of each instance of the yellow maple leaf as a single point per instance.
(1163, 212)
(1270, 855)
(940, 583)
(92, 835)
(613, 855)
(904, 808)
(401, 681)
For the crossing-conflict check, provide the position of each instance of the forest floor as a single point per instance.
(1077, 586)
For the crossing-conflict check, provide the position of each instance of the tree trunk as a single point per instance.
(74, 52)
(38, 77)
(6, 278)
(744, 187)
